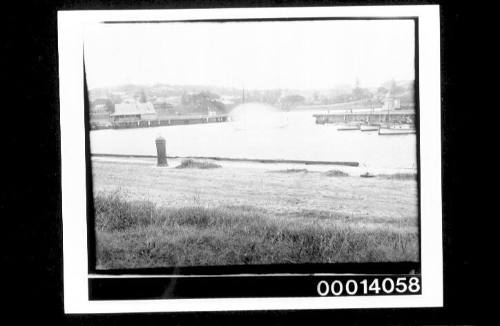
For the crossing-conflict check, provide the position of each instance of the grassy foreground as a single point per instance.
(138, 234)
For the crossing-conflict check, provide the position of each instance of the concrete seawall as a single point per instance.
(344, 163)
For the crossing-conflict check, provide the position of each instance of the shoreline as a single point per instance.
(250, 164)
(230, 159)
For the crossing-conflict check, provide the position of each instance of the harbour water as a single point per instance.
(266, 134)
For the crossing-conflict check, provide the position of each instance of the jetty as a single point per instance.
(171, 120)
(366, 115)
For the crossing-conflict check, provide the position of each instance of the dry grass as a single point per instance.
(336, 173)
(136, 234)
(368, 198)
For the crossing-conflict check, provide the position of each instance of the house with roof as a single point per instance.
(133, 111)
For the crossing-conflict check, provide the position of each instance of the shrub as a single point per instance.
(336, 173)
(192, 164)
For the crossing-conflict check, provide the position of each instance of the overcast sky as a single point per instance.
(303, 55)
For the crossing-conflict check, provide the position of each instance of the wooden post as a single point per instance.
(161, 151)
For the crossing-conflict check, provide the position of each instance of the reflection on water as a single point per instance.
(256, 116)
(268, 135)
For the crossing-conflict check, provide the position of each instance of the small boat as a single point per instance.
(367, 175)
(397, 130)
(369, 127)
(349, 126)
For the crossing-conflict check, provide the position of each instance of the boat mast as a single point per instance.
(388, 120)
(371, 112)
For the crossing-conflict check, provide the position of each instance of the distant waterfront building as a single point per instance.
(99, 112)
(132, 111)
(101, 105)
(391, 102)
(99, 108)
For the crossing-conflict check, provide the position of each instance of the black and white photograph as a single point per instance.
(274, 144)
(266, 142)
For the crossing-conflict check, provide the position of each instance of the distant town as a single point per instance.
(133, 106)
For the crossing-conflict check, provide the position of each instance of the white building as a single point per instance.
(132, 111)
(391, 103)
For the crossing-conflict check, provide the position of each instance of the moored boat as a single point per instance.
(397, 130)
(369, 127)
(349, 126)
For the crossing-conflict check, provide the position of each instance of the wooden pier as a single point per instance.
(378, 116)
(164, 121)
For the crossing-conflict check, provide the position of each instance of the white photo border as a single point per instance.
(71, 26)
